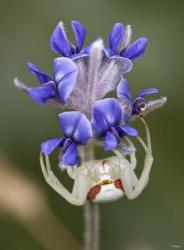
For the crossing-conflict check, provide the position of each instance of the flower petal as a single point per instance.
(75, 125)
(108, 52)
(70, 157)
(42, 93)
(80, 34)
(77, 56)
(116, 36)
(106, 114)
(42, 77)
(147, 92)
(126, 130)
(136, 49)
(126, 109)
(127, 63)
(124, 95)
(111, 141)
(123, 89)
(59, 42)
(48, 146)
(65, 72)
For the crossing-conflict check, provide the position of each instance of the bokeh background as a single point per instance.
(32, 215)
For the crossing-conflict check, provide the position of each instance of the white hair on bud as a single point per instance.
(20, 85)
(126, 38)
(151, 106)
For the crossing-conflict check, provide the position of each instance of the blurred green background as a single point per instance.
(153, 221)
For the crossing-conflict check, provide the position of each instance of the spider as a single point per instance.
(104, 180)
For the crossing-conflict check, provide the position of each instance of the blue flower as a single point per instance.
(60, 44)
(132, 106)
(119, 43)
(57, 88)
(76, 130)
(107, 122)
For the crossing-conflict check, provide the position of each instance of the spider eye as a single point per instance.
(139, 106)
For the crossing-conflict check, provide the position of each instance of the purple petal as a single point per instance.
(70, 157)
(42, 77)
(108, 52)
(65, 72)
(75, 125)
(123, 89)
(59, 42)
(111, 141)
(80, 34)
(126, 109)
(80, 55)
(136, 49)
(116, 36)
(48, 146)
(147, 92)
(127, 63)
(87, 49)
(106, 114)
(124, 95)
(42, 93)
(126, 130)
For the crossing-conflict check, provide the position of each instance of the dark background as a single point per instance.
(154, 220)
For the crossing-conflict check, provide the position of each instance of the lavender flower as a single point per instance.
(60, 44)
(78, 84)
(106, 122)
(56, 88)
(133, 108)
(119, 43)
(77, 130)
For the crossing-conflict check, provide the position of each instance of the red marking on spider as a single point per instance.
(93, 192)
(118, 184)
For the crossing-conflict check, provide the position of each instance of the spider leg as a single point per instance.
(133, 191)
(133, 158)
(81, 184)
(127, 170)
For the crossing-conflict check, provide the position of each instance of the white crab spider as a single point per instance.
(103, 180)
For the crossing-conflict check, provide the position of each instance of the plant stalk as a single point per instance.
(91, 211)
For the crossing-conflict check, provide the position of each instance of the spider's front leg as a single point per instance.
(131, 184)
(80, 188)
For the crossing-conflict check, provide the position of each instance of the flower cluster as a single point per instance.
(81, 78)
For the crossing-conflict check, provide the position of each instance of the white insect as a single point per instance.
(103, 180)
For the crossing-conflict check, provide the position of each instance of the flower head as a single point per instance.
(76, 131)
(107, 122)
(119, 43)
(133, 106)
(81, 77)
(61, 45)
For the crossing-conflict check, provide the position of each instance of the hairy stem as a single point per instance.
(91, 212)
(91, 226)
